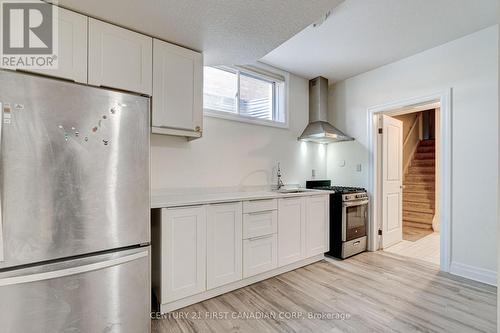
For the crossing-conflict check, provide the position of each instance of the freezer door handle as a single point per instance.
(1, 188)
(72, 270)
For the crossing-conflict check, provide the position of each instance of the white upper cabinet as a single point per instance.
(224, 244)
(177, 90)
(119, 58)
(291, 230)
(317, 222)
(72, 47)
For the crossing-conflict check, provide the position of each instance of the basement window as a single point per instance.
(245, 93)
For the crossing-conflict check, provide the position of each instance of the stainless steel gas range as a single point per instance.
(348, 218)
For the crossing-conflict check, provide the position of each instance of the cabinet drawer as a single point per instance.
(260, 223)
(260, 255)
(259, 205)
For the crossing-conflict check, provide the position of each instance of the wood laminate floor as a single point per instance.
(371, 292)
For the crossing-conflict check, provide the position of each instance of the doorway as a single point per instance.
(419, 166)
(411, 190)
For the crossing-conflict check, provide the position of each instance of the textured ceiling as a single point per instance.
(227, 31)
(361, 35)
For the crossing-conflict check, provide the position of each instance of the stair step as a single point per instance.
(422, 203)
(424, 156)
(427, 143)
(421, 170)
(411, 179)
(417, 225)
(424, 197)
(418, 217)
(419, 188)
(426, 149)
(409, 207)
(423, 162)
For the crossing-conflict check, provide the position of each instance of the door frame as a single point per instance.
(405, 106)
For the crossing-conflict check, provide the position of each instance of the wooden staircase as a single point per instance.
(419, 187)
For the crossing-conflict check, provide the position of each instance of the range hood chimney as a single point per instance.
(319, 129)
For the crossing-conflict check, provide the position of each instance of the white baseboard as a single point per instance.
(487, 276)
(175, 305)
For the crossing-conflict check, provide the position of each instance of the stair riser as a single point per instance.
(414, 215)
(418, 205)
(417, 219)
(411, 208)
(427, 143)
(419, 188)
(420, 179)
(417, 225)
(426, 149)
(413, 170)
(424, 156)
(427, 197)
(418, 163)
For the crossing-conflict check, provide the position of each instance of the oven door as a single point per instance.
(354, 219)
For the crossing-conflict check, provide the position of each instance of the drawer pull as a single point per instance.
(259, 237)
(261, 212)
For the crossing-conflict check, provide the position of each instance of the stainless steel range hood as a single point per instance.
(319, 129)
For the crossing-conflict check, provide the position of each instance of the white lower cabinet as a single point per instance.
(317, 224)
(203, 251)
(183, 252)
(260, 254)
(291, 230)
(224, 244)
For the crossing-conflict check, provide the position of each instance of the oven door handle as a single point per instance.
(355, 203)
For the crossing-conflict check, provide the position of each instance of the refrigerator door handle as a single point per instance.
(1, 189)
(71, 271)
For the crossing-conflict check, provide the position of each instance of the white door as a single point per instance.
(317, 222)
(177, 87)
(72, 47)
(120, 58)
(224, 244)
(392, 181)
(183, 252)
(291, 230)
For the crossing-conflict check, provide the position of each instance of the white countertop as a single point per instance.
(163, 199)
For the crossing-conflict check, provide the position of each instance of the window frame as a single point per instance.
(280, 97)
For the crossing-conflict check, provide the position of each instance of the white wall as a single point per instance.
(470, 67)
(240, 154)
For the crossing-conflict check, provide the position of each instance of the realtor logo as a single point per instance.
(29, 35)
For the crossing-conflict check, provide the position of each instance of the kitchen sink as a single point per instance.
(294, 190)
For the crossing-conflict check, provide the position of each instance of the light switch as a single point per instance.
(342, 163)
(358, 167)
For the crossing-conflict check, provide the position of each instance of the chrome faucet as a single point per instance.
(280, 182)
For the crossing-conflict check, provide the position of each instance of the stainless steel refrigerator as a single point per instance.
(74, 205)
